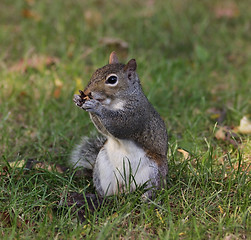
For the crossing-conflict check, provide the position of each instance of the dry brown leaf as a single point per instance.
(220, 133)
(17, 164)
(93, 18)
(217, 114)
(79, 85)
(32, 164)
(230, 236)
(27, 13)
(48, 167)
(58, 84)
(115, 44)
(184, 152)
(30, 2)
(246, 156)
(37, 62)
(50, 215)
(30, 133)
(87, 52)
(221, 209)
(227, 10)
(245, 126)
(226, 134)
(246, 151)
(4, 171)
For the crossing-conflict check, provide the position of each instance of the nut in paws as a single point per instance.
(78, 100)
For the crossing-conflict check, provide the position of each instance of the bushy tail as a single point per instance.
(85, 153)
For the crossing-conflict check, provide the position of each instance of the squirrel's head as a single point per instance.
(113, 81)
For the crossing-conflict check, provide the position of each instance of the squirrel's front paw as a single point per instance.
(92, 105)
(78, 100)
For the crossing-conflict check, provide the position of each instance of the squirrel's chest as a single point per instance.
(122, 166)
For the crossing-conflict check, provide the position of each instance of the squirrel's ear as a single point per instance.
(113, 58)
(131, 66)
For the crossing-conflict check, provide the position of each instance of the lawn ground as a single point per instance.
(194, 61)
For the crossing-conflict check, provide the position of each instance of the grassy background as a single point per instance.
(193, 56)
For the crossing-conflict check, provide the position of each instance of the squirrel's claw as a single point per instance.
(82, 95)
(92, 106)
(77, 99)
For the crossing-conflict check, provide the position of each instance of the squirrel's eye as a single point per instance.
(112, 79)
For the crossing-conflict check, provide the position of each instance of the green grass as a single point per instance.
(189, 61)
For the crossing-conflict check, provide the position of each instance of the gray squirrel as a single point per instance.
(132, 150)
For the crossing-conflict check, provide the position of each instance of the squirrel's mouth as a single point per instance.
(100, 99)
(104, 101)
(98, 96)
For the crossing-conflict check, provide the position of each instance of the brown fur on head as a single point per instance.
(113, 80)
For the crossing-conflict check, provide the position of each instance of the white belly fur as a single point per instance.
(123, 166)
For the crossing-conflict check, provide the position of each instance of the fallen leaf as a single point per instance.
(4, 171)
(58, 84)
(87, 52)
(182, 234)
(48, 167)
(221, 210)
(220, 133)
(226, 134)
(32, 164)
(30, 133)
(115, 44)
(227, 10)
(184, 152)
(50, 215)
(230, 236)
(27, 13)
(37, 62)
(246, 151)
(217, 115)
(245, 163)
(17, 164)
(30, 2)
(79, 85)
(93, 18)
(245, 126)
